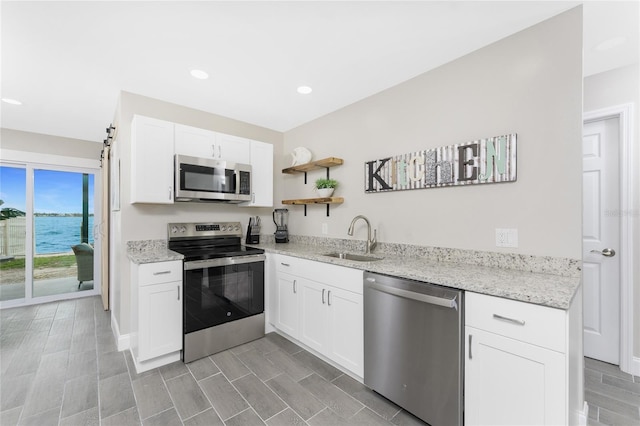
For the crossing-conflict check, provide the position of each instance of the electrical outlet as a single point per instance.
(506, 237)
(325, 228)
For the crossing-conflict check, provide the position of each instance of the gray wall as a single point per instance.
(612, 88)
(529, 83)
(46, 144)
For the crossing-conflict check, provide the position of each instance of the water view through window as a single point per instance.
(63, 219)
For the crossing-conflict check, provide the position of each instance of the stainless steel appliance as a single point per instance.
(413, 346)
(207, 179)
(281, 219)
(223, 287)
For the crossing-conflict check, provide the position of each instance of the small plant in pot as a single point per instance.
(325, 187)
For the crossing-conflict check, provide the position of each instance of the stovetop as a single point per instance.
(211, 240)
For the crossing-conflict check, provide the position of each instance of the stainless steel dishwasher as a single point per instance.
(413, 346)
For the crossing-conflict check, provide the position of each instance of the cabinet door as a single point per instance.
(509, 382)
(346, 331)
(160, 319)
(261, 175)
(287, 304)
(151, 161)
(313, 315)
(195, 142)
(233, 148)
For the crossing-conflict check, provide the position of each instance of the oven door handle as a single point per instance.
(224, 261)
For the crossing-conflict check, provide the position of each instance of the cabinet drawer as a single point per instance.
(161, 272)
(338, 276)
(535, 324)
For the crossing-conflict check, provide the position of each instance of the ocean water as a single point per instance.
(56, 234)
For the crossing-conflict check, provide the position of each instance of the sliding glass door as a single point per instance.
(57, 210)
(13, 232)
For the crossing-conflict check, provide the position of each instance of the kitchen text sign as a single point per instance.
(490, 160)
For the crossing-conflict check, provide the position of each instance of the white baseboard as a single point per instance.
(122, 341)
(583, 415)
(635, 366)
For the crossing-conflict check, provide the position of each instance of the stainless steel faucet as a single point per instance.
(371, 243)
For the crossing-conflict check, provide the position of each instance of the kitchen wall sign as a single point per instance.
(490, 160)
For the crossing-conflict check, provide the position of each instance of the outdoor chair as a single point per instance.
(84, 259)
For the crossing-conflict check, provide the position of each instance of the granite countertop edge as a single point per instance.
(549, 290)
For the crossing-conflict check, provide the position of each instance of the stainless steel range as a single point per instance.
(223, 287)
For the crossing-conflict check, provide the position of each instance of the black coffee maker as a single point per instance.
(281, 218)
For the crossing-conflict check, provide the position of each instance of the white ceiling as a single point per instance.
(67, 61)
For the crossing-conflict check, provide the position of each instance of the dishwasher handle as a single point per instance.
(425, 298)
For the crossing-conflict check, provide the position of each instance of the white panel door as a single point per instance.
(287, 319)
(160, 310)
(314, 313)
(195, 142)
(508, 382)
(601, 238)
(346, 329)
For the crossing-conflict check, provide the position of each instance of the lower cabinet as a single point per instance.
(520, 367)
(320, 305)
(156, 313)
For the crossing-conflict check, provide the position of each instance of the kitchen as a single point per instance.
(502, 99)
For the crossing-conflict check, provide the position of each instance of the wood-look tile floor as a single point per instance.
(613, 396)
(59, 366)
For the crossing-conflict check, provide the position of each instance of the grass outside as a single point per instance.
(61, 261)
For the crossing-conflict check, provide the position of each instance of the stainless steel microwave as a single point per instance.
(208, 179)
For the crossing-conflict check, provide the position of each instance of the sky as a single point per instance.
(54, 191)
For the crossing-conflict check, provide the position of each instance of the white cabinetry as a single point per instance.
(156, 313)
(233, 148)
(320, 305)
(261, 175)
(151, 161)
(520, 367)
(195, 142)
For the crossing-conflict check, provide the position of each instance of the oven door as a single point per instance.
(218, 291)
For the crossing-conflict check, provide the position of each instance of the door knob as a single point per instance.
(605, 252)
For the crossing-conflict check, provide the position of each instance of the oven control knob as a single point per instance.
(174, 229)
(237, 228)
(223, 228)
(183, 229)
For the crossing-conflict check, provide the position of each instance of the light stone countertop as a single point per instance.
(151, 251)
(550, 290)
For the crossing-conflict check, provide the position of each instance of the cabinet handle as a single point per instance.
(253, 197)
(170, 193)
(162, 273)
(285, 264)
(178, 287)
(219, 151)
(323, 296)
(329, 298)
(470, 339)
(511, 320)
(213, 150)
(294, 287)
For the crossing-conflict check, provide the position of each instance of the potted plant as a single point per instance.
(325, 187)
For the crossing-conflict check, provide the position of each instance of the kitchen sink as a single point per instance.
(351, 256)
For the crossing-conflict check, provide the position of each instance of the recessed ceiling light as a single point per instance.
(304, 90)
(11, 101)
(199, 74)
(611, 43)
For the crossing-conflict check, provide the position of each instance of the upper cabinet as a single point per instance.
(151, 161)
(154, 143)
(195, 142)
(261, 175)
(208, 144)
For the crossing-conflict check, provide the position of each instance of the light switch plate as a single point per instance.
(506, 237)
(325, 229)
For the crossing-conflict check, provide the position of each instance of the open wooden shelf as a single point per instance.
(325, 163)
(305, 201)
